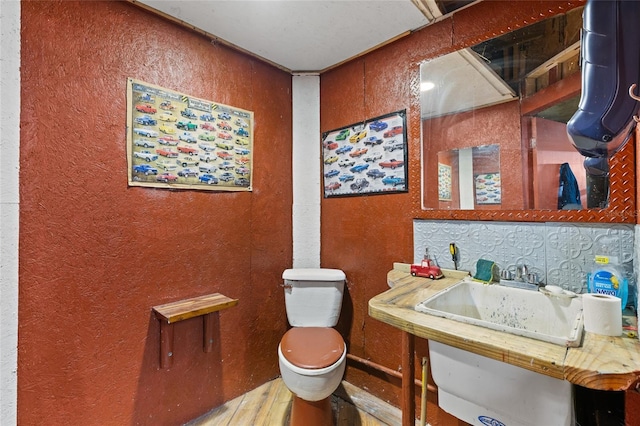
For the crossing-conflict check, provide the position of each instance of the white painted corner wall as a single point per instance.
(306, 179)
(9, 206)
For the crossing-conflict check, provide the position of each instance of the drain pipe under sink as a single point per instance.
(424, 385)
(387, 370)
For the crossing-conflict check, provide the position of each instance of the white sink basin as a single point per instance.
(550, 318)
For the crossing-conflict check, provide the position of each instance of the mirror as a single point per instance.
(469, 178)
(514, 92)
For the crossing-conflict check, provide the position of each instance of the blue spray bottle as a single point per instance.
(606, 278)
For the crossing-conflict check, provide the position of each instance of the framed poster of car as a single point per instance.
(444, 182)
(366, 158)
(488, 188)
(175, 140)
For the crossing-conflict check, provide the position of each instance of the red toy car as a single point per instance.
(187, 150)
(393, 163)
(207, 126)
(167, 153)
(394, 131)
(427, 269)
(166, 177)
(146, 108)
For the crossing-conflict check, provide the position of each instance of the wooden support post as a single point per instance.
(166, 344)
(408, 377)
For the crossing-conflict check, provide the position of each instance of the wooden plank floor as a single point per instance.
(269, 405)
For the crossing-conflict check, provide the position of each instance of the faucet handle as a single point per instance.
(521, 272)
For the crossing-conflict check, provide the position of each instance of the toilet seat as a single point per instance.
(312, 347)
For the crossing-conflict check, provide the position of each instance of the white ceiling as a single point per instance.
(299, 35)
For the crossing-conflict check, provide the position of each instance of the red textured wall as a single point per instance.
(96, 255)
(365, 235)
(486, 126)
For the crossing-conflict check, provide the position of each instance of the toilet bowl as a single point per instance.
(312, 371)
(312, 355)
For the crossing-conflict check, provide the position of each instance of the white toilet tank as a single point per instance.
(313, 296)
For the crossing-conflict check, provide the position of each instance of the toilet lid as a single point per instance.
(312, 347)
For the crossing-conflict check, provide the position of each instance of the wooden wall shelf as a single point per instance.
(168, 314)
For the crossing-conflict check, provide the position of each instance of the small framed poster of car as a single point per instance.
(177, 141)
(366, 158)
(488, 188)
(444, 182)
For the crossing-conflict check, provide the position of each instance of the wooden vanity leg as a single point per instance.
(166, 344)
(408, 378)
(208, 327)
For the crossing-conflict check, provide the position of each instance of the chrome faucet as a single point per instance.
(522, 272)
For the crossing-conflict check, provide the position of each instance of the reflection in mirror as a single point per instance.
(480, 87)
(556, 164)
(469, 178)
(515, 92)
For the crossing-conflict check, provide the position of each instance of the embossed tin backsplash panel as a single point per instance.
(560, 253)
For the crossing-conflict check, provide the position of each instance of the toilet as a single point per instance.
(312, 355)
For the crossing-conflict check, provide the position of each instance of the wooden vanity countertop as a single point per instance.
(601, 362)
